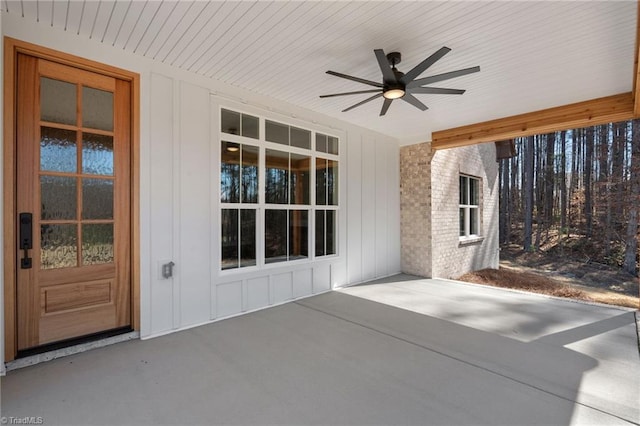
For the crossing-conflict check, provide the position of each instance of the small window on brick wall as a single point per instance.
(469, 206)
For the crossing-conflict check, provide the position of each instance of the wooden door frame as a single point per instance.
(12, 48)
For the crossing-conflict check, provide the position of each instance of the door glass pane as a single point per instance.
(321, 181)
(58, 151)
(298, 234)
(58, 197)
(276, 132)
(332, 182)
(300, 179)
(97, 109)
(97, 154)
(249, 174)
(229, 236)
(97, 199)
(57, 101)
(277, 177)
(330, 241)
(275, 236)
(247, 237)
(58, 246)
(230, 122)
(319, 233)
(300, 138)
(97, 243)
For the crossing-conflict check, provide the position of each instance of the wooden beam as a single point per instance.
(636, 69)
(588, 113)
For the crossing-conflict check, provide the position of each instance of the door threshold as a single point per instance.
(30, 360)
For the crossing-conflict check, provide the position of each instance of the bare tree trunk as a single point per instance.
(549, 181)
(588, 167)
(505, 224)
(631, 247)
(527, 168)
(563, 181)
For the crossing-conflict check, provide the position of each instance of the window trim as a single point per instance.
(261, 206)
(468, 237)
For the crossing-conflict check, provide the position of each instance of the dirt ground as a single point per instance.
(560, 276)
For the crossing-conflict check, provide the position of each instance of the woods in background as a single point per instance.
(575, 193)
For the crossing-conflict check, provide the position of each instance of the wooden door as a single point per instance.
(73, 166)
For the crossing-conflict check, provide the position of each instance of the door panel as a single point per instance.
(73, 175)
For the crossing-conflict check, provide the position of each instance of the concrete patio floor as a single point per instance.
(402, 350)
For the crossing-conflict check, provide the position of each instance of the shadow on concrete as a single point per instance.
(330, 359)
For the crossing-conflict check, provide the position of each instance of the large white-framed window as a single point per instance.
(469, 207)
(278, 192)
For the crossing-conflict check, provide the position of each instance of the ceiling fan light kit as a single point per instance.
(398, 85)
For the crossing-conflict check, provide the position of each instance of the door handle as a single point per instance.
(26, 239)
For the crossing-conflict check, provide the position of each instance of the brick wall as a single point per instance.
(429, 215)
(415, 211)
(450, 256)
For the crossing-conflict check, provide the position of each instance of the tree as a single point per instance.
(527, 167)
(588, 168)
(631, 247)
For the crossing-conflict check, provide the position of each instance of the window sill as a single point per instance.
(469, 241)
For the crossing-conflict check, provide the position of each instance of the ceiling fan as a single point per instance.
(398, 85)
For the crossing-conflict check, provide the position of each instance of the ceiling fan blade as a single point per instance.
(436, 90)
(387, 73)
(359, 80)
(385, 106)
(362, 102)
(442, 77)
(422, 66)
(414, 101)
(351, 93)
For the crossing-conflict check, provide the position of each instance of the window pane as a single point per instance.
(229, 238)
(97, 199)
(247, 237)
(463, 190)
(331, 232)
(277, 177)
(473, 191)
(321, 142)
(230, 122)
(332, 182)
(97, 154)
(57, 101)
(332, 145)
(462, 228)
(300, 138)
(250, 174)
(300, 181)
(298, 234)
(320, 235)
(250, 126)
(275, 236)
(97, 243)
(58, 152)
(230, 172)
(473, 221)
(58, 197)
(321, 181)
(97, 108)
(58, 246)
(276, 132)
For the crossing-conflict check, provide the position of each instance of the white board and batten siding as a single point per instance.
(179, 208)
(185, 213)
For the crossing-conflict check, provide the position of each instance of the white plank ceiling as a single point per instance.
(533, 54)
